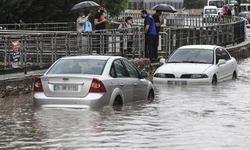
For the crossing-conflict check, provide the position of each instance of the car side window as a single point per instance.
(119, 69)
(112, 72)
(218, 55)
(132, 71)
(221, 54)
(225, 55)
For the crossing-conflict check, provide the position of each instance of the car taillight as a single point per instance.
(38, 85)
(97, 86)
(248, 26)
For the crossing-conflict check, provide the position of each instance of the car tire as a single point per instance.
(118, 101)
(234, 76)
(214, 80)
(151, 95)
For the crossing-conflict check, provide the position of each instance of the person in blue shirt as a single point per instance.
(150, 35)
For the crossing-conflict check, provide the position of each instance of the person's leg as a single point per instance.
(156, 44)
(151, 46)
(147, 39)
(85, 44)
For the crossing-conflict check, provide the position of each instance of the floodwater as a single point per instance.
(204, 117)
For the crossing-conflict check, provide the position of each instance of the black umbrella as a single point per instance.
(85, 5)
(164, 7)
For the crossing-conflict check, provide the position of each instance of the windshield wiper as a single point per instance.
(174, 62)
(191, 62)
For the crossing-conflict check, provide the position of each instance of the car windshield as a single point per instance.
(218, 4)
(211, 11)
(192, 56)
(78, 66)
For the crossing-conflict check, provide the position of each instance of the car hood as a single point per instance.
(183, 68)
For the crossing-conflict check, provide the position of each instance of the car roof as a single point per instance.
(91, 57)
(207, 7)
(199, 46)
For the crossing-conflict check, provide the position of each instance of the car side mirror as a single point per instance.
(221, 61)
(162, 60)
(144, 74)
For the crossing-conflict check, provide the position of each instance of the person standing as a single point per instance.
(123, 27)
(99, 21)
(158, 24)
(150, 35)
(80, 23)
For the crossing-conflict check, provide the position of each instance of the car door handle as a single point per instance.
(122, 84)
(135, 84)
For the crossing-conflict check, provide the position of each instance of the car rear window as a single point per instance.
(78, 66)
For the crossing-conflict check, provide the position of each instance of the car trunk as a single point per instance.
(65, 86)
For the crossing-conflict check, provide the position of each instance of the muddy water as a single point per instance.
(205, 117)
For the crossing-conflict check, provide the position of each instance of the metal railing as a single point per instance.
(38, 47)
(58, 26)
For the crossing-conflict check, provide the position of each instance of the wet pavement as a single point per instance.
(182, 117)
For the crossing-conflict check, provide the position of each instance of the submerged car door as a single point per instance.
(230, 63)
(139, 85)
(222, 71)
(124, 83)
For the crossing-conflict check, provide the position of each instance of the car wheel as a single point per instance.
(118, 101)
(234, 76)
(151, 95)
(214, 80)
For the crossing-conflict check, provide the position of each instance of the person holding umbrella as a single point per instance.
(80, 22)
(158, 24)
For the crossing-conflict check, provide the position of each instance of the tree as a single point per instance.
(10, 10)
(37, 11)
(194, 4)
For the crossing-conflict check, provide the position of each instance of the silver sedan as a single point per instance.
(91, 81)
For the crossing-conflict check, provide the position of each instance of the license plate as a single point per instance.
(177, 82)
(65, 88)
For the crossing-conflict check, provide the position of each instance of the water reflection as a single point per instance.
(181, 117)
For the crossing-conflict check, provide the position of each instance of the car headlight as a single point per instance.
(195, 76)
(163, 75)
(159, 75)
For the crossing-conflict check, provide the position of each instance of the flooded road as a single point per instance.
(203, 117)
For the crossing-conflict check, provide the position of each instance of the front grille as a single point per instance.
(169, 76)
(186, 76)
